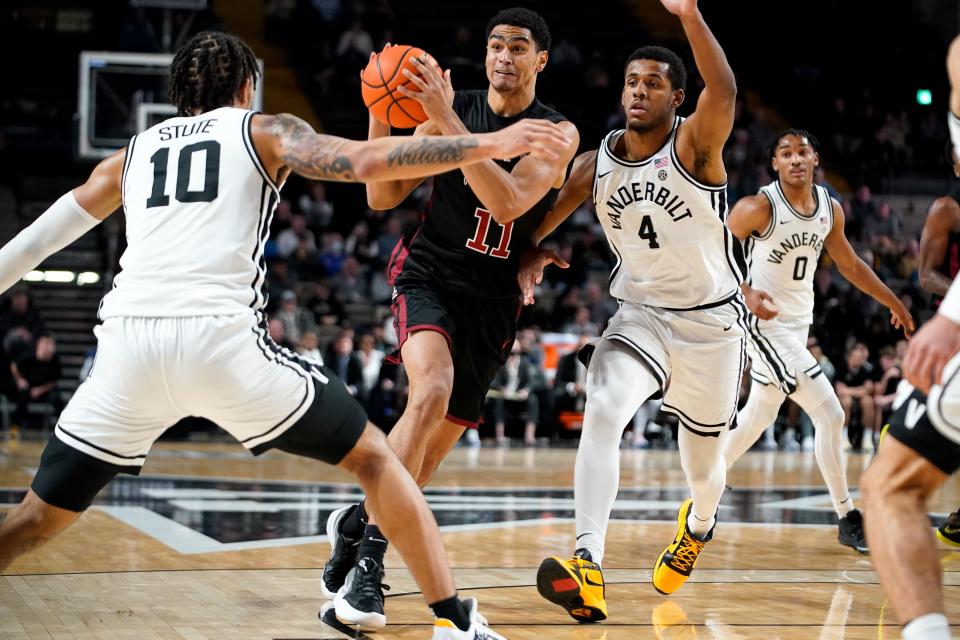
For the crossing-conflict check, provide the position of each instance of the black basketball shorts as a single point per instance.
(479, 331)
(911, 425)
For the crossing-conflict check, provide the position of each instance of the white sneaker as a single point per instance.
(807, 444)
(443, 629)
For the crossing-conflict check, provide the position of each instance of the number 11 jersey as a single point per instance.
(197, 204)
(666, 229)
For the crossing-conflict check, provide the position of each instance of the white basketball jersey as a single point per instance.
(198, 205)
(783, 260)
(666, 229)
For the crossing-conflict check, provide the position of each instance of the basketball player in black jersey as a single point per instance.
(939, 264)
(456, 297)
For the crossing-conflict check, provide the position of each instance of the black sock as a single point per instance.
(354, 522)
(373, 545)
(453, 610)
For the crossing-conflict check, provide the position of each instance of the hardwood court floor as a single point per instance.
(212, 543)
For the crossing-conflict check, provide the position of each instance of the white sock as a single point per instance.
(929, 626)
(761, 410)
(617, 384)
(702, 460)
(698, 527)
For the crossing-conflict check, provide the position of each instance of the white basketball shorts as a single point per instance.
(696, 356)
(151, 372)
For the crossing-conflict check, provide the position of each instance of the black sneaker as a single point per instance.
(949, 531)
(851, 532)
(343, 554)
(360, 600)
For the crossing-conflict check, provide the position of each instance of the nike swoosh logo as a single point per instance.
(601, 175)
(785, 221)
(589, 581)
(727, 328)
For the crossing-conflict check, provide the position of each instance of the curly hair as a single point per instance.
(209, 71)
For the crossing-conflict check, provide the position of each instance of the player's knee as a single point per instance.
(832, 414)
(369, 455)
(430, 398)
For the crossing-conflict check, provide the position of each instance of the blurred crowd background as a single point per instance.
(871, 87)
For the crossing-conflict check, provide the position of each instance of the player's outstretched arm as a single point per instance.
(861, 275)
(575, 190)
(387, 194)
(507, 195)
(75, 213)
(933, 244)
(290, 144)
(711, 123)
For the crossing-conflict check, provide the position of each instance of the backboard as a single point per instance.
(121, 94)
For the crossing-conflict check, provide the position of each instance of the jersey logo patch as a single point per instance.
(662, 174)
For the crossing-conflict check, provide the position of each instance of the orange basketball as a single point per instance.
(379, 82)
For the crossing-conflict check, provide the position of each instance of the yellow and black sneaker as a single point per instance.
(675, 563)
(576, 584)
(949, 531)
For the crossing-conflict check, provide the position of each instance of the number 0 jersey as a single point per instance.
(197, 203)
(784, 258)
(458, 245)
(666, 229)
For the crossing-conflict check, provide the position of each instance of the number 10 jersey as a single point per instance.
(197, 203)
(666, 229)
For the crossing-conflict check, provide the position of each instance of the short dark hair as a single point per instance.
(209, 71)
(800, 133)
(676, 70)
(526, 19)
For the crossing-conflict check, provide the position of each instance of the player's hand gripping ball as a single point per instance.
(379, 82)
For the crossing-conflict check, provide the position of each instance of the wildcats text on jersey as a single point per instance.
(645, 192)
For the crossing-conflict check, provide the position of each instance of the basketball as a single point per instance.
(379, 82)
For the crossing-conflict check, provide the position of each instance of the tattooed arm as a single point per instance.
(287, 143)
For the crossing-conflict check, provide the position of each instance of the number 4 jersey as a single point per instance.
(784, 258)
(667, 230)
(197, 203)
(458, 245)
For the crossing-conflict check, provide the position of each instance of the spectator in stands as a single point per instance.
(345, 363)
(351, 283)
(602, 306)
(289, 239)
(331, 253)
(20, 313)
(36, 376)
(582, 323)
(388, 239)
(569, 385)
(885, 389)
(325, 305)
(861, 209)
(305, 261)
(278, 334)
(317, 210)
(371, 360)
(279, 279)
(883, 222)
(295, 319)
(855, 390)
(354, 49)
(359, 245)
(513, 398)
(310, 347)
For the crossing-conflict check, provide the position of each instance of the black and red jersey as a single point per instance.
(458, 245)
